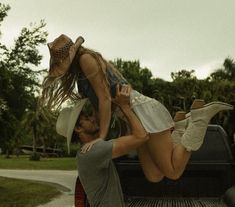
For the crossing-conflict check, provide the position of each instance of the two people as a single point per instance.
(97, 172)
(77, 72)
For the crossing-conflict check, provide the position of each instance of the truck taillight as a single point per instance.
(80, 196)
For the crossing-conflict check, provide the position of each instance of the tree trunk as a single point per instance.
(7, 154)
(34, 139)
(44, 147)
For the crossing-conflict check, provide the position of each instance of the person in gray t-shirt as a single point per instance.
(99, 177)
(96, 170)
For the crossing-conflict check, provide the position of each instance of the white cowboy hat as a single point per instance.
(67, 119)
(62, 51)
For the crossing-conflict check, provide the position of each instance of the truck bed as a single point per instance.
(174, 202)
(209, 173)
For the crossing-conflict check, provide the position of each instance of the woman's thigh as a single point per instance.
(150, 169)
(160, 147)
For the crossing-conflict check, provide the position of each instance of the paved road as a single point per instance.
(64, 178)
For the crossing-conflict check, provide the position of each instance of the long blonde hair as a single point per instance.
(58, 90)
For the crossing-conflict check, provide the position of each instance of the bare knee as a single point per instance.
(154, 179)
(153, 176)
(173, 175)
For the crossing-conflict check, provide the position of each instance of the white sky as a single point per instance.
(165, 35)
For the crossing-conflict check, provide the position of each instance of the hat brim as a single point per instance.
(56, 70)
(73, 119)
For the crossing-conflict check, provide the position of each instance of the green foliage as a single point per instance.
(3, 13)
(140, 78)
(185, 87)
(225, 73)
(183, 75)
(131, 71)
(18, 79)
(3, 9)
(39, 123)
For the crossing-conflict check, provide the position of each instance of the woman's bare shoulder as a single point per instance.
(86, 58)
(89, 62)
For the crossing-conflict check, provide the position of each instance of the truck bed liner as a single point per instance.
(173, 202)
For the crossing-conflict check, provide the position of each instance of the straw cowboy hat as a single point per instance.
(62, 51)
(67, 119)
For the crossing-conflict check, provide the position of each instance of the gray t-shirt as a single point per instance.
(99, 177)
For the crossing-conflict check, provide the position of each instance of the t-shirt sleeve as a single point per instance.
(99, 155)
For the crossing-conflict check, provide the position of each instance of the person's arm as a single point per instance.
(99, 84)
(125, 144)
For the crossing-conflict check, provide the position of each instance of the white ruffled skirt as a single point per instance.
(153, 115)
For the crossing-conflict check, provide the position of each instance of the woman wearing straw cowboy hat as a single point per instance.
(97, 172)
(73, 65)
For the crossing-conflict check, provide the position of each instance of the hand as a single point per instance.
(122, 95)
(86, 147)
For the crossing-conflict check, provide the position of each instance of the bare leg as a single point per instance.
(170, 159)
(149, 166)
(150, 169)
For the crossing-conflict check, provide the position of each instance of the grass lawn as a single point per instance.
(23, 193)
(23, 162)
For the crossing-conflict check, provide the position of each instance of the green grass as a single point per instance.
(23, 193)
(23, 162)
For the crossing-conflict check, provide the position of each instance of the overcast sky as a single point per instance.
(165, 35)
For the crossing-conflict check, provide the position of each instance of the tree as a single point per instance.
(225, 73)
(131, 71)
(18, 80)
(184, 88)
(182, 75)
(39, 122)
(140, 78)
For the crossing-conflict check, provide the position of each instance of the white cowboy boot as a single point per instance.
(180, 126)
(195, 133)
(178, 131)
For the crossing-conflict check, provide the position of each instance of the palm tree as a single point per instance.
(36, 121)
